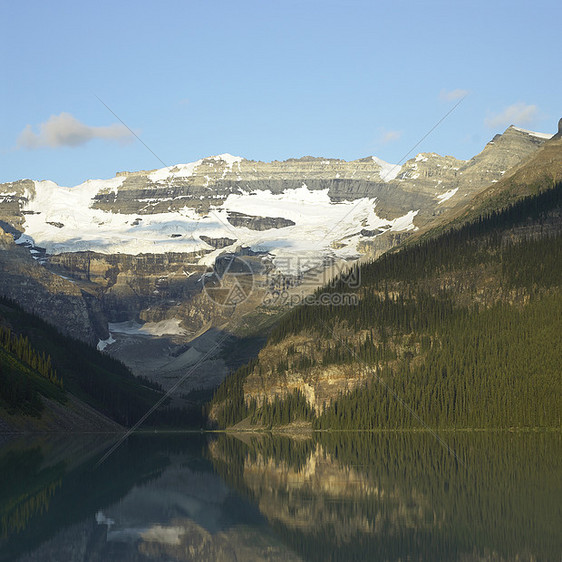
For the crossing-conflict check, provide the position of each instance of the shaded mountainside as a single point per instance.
(52, 297)
(459, 330)
(51, 382)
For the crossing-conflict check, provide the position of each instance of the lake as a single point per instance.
(257, 497)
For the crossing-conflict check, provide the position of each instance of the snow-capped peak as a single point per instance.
(188, 170)
(228, 158)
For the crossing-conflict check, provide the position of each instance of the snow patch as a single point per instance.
(545, 136)
(170, 327)
(228, 158)
(405, 222)
(319, 222)
(102, 344)
(388, 171)
(447, 195)
(171, 172)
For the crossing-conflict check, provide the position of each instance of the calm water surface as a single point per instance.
(330, 496)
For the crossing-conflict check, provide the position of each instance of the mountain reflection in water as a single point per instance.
(327, 496)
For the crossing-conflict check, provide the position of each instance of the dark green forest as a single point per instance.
(462, 330)
(25, 376)
(20, 387)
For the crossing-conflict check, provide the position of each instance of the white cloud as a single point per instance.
(389, 136)
(452, 95)
(66, 130)
(516, 114)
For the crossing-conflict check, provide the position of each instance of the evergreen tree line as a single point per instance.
(22, 349)
(496, 367)
(484, 368)
(17, 391)
(233, 407)
(281, 411)
(228, 404)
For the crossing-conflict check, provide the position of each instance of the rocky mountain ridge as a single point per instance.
(221, 196)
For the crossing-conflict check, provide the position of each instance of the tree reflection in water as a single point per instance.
(322, 496)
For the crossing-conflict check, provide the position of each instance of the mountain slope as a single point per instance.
(461, 330)
(538, 172)
(52, 382)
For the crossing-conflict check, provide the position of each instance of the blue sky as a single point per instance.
(266, 80)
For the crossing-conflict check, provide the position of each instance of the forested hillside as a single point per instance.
(460, 330)
(25, 376)
(38, 361)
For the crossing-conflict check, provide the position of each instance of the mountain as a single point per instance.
(141, 264)
(459, 329)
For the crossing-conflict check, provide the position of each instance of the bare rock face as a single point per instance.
(218, 243)
(53, 298)
(126, 285)
(382, 243)
(13, 196)
(257, 223)
(318, 385)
